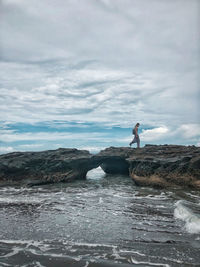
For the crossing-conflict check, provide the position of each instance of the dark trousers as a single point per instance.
(136, 140)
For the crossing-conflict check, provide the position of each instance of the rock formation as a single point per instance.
(166, 166)
(50, 166)
(158, 166)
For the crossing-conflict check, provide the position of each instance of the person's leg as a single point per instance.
(138, 142)
(133, 141)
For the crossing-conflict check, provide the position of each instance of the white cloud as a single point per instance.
(92, 149)
(185, 132)
(144, 33)
(122, 62)
(7, 149)
(154, 134)
(49, 136)
(30, 146)
(190, 130)
(97, 94)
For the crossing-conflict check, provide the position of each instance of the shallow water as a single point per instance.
(103, 221)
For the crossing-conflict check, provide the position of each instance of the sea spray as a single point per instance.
(192, 220)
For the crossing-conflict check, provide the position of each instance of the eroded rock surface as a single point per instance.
(165, 166)
(59, 165)
(157, 166)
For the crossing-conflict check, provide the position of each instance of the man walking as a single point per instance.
(136, 138)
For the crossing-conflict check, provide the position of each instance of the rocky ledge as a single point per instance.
(158, 166)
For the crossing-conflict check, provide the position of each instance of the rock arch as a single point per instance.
(161, 166)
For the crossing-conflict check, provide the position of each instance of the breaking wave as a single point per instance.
(188, 214)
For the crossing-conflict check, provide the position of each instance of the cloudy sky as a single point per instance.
(81, 73)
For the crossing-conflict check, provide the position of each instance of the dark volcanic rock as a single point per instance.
(44, 167)
(113, 160)
(166, 165)
(157, 166)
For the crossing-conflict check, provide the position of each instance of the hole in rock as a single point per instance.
(97, 173)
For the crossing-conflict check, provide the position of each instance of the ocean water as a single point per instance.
(103, 221)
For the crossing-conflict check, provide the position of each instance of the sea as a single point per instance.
(105, 220)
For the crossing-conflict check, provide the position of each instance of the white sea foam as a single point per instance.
(80, 244)
(116, 255)
(39, 248)
(21, 242)
(161, 196)
(131, 252)
(14, 252)
(5, 264)
(20, 200)
(193, 195)
(36, 264)
(148, 263)
(20, 245)
(192, 221)
(86, 264)
(100, 200)
(44, 248)
(136, 196)
(95, 174)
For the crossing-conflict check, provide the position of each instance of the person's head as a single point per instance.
(137, 124)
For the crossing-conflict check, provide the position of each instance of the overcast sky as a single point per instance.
(81, 73)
